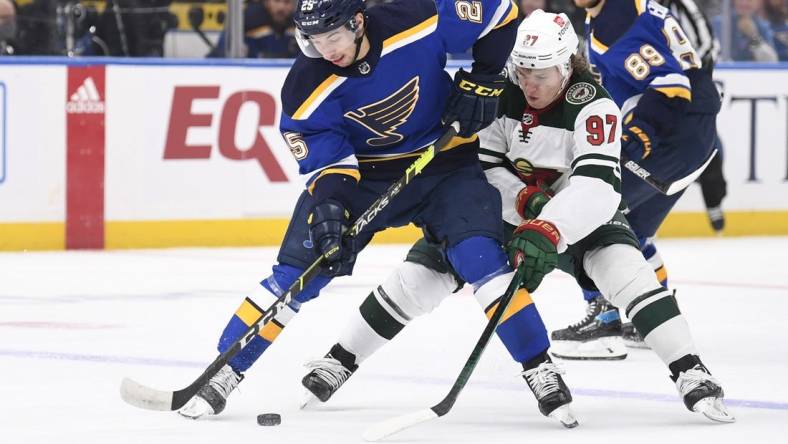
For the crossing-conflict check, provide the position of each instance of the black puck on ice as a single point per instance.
(269, 419)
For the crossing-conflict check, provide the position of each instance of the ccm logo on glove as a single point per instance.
(479, 90)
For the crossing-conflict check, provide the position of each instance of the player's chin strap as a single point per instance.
(358, 41)
(567, 73)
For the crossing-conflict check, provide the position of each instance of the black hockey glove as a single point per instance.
(638, 138)
(328, 221)
(473, 101)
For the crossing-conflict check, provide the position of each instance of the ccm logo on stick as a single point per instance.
(182, 118)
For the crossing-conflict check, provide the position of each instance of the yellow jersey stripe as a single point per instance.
(520, 300)
(514, 11)
(301, 111)
(248, 312)
(346, 171)
(453, 143)
(676, 91)
(597, 45)
(640, 5)
(432, 21)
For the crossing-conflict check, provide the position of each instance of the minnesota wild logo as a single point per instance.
(580, 93)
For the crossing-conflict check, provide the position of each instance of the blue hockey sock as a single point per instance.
(249, 312)
(522, 330)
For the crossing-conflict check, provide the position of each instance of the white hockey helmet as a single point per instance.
(543, 40)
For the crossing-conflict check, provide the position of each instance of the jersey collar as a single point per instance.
(366, 66)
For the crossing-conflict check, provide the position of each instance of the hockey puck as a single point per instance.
(269, 419)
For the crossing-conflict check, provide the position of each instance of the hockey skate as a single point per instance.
(702, 393)
(551, 392)
(632, 337)
(716, 219)
(212, 397)
(596, 337)
(328, 374)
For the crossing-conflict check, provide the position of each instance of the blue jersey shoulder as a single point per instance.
(401, 15)
(462, 23)
(614, 20)
(305, 76)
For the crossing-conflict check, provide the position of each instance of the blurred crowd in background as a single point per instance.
(165, 28)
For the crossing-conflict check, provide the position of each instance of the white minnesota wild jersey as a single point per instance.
(572, 146)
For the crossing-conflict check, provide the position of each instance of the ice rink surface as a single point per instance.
(72, 324)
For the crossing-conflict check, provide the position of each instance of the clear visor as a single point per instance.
(539, 77)
(329, 44)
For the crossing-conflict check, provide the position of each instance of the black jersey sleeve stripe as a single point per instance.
(489, 165)
(593, 156)
(492, 153)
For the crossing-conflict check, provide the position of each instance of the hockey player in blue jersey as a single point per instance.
(646, 62)
(367, 96)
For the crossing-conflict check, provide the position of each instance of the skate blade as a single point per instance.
(636, 344)
(714, 409)
(603, 349)
(308, 400)
(565, 416)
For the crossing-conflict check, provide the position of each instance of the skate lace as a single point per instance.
(715, 213)
(329, 370)
(692, 379)
(544, 379)
(591, 312)
(225, 381)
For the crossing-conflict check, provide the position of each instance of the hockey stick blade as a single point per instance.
(397, 424)
(145, 397)
(148, 398)
(393, 425)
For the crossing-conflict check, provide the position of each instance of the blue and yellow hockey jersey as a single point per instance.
(386, 107)
(637, 45)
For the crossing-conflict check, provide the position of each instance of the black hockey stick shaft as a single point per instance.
(145, 397)
(644, 174)
(447, 403)
(664, 187)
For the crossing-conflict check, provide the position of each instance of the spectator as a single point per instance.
(697, 28)
(269, 31)
(7, 27)
(36, 33)
(776, 12)
(751, 37)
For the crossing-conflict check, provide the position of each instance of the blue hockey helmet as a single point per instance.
(314, 17)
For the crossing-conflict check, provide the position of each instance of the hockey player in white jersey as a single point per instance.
(553, 154)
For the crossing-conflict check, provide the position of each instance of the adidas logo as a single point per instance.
(86, 99)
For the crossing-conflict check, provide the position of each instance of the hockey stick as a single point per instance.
(148, 398)
(667, 188)
(402, 422)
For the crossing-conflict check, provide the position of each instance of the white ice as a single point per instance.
(72, 324)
